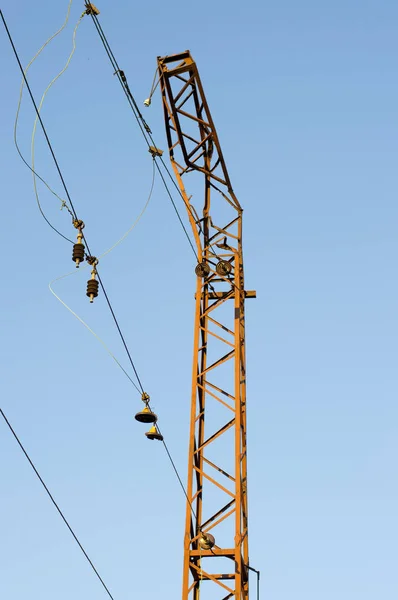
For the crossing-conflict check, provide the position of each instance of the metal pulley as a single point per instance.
(92, 284)
(206, 541)
(202, 269)
(223, 268)
(78, 248)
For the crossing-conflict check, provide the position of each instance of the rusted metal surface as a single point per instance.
(217, 467)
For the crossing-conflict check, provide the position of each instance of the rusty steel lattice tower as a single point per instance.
(216, 530)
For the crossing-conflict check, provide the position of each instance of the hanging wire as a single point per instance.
(145, 130)
(147, 134)
(100, 257)
(176, 472)
(55, 503)
(70, 200)
(17, 118)
(63, 202)
(75, 216)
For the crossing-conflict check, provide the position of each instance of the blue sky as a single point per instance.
(304, 97)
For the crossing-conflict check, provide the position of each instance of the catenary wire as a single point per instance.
(75, 215)
(145, 130)
(17, 118)
(88, 327)
(69, 198)
(133, 105)
(100, 257)
(177, 474)
(63, 202)
(37, 112)
(55, 503)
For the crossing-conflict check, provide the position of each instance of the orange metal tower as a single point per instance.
(216, 532)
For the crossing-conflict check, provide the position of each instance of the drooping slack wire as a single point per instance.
(38, 113)
(68, 196)
(130, 97)
(54, 35)
(55, 504)
(147, 134)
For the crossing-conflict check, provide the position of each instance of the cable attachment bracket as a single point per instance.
(155, 151)
(91, 9)
(145, 398)
(92, 260)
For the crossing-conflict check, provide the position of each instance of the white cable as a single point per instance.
(137, 219)
(87, 327)
(21, 94)
(63, 202)
(85, 266)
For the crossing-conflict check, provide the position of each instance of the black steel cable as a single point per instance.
(176, 472)
(67, 194)
(40, 208)
(55, 504)
(145, 130)
(38, 113)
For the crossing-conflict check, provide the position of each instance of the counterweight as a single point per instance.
(217, 463)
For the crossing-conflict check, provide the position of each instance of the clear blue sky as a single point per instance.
(304, 96)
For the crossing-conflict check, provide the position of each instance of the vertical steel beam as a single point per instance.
(217, 494)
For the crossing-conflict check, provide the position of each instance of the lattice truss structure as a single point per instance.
(217, 466)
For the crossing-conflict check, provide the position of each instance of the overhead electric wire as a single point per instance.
(145, 130)
(68, 196)
(55, 504)
(88, 327)
(63, 202)
(17, 118)
(147, 133)
(85, 266)
(129, 95)
(177, 473)
(37, 113)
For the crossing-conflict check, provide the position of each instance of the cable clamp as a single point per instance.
(91, 9)
(78, 224)
(147, 128)
(145, 397)
(155, 151)
(92, 260)
(122, 75)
